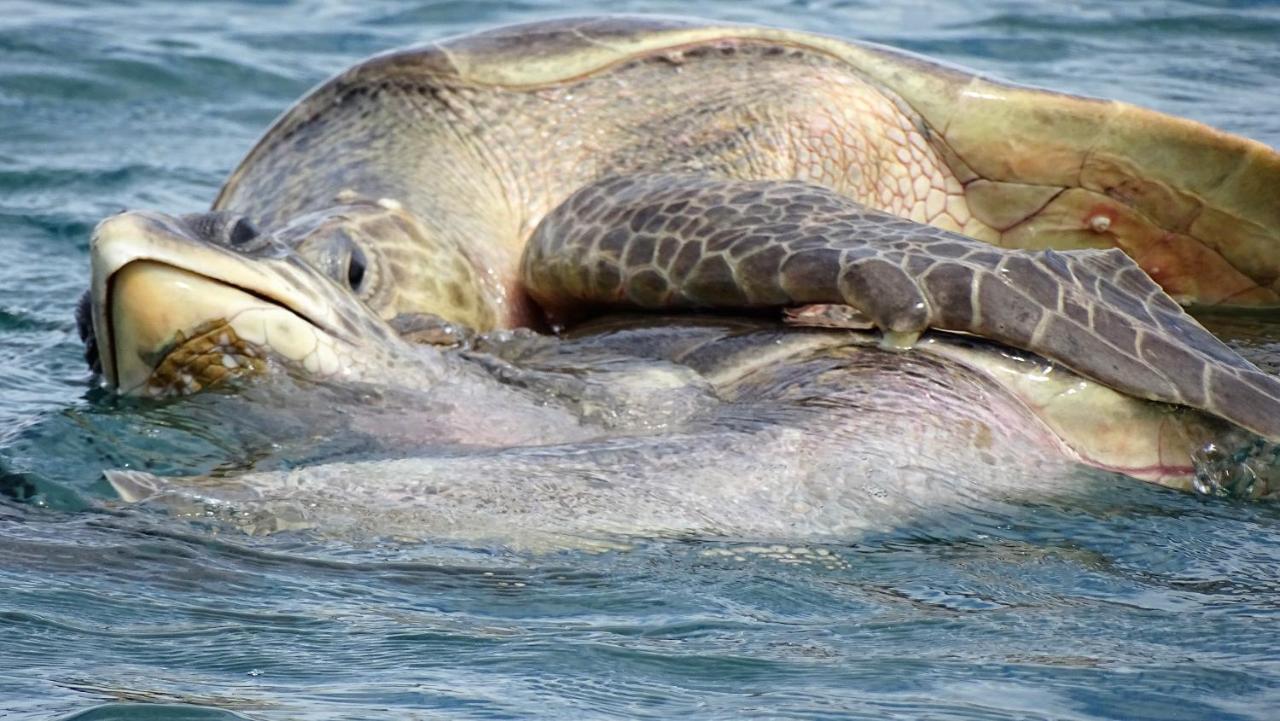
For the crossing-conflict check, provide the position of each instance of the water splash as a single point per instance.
(1247, 470)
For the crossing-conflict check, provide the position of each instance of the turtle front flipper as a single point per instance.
(689, 241)
(1197, 208)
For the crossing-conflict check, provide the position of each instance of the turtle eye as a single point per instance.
(241, 231)
(356, 265)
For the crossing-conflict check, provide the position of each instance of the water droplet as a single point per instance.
(1240, 470)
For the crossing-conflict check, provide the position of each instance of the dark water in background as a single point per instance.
(1132, 603)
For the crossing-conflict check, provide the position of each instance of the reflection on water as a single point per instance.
(1105, 600)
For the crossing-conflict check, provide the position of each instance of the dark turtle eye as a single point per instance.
(356, 265)
(241, 231)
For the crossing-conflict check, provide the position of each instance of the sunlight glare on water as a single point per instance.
(1123, 602)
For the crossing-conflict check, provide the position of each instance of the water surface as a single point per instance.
(1128, 602)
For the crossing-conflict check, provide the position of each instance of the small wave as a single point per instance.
(151, 706)
(1116, 20)
(12, 320)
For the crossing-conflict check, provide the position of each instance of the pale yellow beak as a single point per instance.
(174, 315)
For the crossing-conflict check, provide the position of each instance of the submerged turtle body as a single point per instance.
(412, 185)
(701, 426)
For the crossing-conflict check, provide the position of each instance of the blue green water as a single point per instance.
(1132, 603)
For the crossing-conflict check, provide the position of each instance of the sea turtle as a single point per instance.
(654, 163)
(705, 426)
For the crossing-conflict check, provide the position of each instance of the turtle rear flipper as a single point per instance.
(695, 242)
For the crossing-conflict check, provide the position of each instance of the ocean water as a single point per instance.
(1132, 603)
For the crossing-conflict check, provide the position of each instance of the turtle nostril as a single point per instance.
(84, 315)
(84, 324)
(242, 231)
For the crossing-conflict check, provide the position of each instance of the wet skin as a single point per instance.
(396, 201)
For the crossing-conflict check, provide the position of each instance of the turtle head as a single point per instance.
(179, 303)
(386, 257)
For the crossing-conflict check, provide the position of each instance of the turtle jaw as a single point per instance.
(173, 314)
(173, 332)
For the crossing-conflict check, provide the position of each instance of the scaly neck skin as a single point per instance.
(468, 270)
(481, 165)
(412, 154)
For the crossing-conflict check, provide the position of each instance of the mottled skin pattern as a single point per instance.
(687, 241)
(338, 329)
(384, 240)
(438, 163)
(480, 136)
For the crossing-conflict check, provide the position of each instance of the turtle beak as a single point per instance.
(156, 289)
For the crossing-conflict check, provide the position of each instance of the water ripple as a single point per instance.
(1121, 601)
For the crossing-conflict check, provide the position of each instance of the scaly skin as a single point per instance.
(174, 312)
(687, 241)
(466, 146)
(480, 136)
